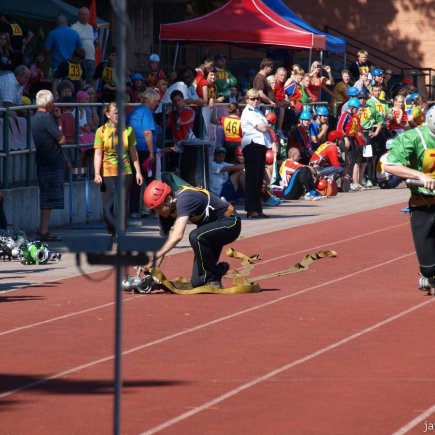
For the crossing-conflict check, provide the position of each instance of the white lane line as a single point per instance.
(66, 316)
(198, 327)
(417, 420)
(281, 369)
(55, 319)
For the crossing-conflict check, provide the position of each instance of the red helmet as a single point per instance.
(322, 184)
(334, 135)
(269, 157)
(238, 152)
(155, 194)
(271, 117)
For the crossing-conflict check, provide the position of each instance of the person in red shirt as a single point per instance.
(181, 119)
(280, 95)
(326, 158)
(298, 179)
(207, 90)
(349, 125)
(397, 120)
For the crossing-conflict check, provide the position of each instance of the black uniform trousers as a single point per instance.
(207, 242)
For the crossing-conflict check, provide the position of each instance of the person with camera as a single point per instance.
(319, 82)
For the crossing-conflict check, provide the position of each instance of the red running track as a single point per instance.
(342, 348)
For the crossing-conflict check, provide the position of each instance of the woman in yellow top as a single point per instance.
(106, 163)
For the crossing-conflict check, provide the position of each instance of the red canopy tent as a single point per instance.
(242, 22)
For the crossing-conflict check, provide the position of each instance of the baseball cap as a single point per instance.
(154, 58)
(220, 150)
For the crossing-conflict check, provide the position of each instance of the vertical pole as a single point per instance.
(29, 147)
(7, 159)
(119, 203)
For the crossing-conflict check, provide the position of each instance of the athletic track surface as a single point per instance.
(345, 347)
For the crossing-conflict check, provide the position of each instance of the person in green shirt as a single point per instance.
(413, 156)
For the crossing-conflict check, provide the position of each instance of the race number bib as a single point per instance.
(232, 128)
(429, 163)
(108, 75)
(74, 71)
(16, 30)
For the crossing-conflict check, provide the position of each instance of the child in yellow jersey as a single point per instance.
(106, 163)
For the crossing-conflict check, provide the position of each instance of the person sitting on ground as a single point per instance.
(298, 179)
(326, 158)
(217, 225)
(226, 179)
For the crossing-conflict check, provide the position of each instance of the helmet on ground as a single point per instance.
(322, 184)
(137, 76)
(305, 115)
(154, 58)
(352, 91)
(322, 111)
(155, 194)
(269, 157)
(354, 102)
(376, 72)
(271, 117)
(430, 119)
(238, 152)
(334, 135)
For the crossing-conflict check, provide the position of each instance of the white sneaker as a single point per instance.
(355, 187)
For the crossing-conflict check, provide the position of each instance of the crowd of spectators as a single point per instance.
(361, 109)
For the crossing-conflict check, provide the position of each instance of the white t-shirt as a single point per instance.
(86, 33)
(218, 177)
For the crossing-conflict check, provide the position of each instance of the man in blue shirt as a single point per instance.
(144, 127)
(61, 42)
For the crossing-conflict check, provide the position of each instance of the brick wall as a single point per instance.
(399, 27)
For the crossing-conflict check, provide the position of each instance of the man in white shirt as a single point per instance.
(86, 33)
(12, 85)
(185, 86)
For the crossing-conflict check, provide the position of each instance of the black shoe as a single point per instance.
(222, 269)
(215, 284)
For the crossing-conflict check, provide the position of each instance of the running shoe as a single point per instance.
(313, 195)
(426, 283)
(272, 200)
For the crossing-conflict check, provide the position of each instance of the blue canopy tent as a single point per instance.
(334, 44)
